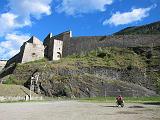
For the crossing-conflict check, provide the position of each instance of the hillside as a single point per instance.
(103, 72)
(153, 28)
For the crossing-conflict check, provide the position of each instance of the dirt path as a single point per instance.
(73, 110)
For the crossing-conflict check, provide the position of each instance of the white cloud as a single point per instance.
(7, 22)
(73, 7)
(20, 14)
(18, 38)
(128, 17)
(11, 45)
(27, 8)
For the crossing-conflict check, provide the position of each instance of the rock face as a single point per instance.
(94, 81)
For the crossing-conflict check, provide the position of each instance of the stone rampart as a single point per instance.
(48, 47)
(31, 50)
(2, 64)
(78, 45)
(14, 59)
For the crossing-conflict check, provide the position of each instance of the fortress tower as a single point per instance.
(55, 45)
(31, 50)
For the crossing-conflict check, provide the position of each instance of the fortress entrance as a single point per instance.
(59, 55)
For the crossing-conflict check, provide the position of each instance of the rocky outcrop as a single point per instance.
(92, 81)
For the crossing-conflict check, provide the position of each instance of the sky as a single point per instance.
(21, 19)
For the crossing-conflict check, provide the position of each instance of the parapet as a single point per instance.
(63, 36)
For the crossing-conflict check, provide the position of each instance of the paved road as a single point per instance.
(74, 110)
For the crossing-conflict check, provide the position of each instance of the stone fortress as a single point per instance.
(62, 45)
(2, 64)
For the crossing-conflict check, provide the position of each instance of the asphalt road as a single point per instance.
(74, 110)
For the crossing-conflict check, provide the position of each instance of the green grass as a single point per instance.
(108, 57)
(96, 100)
(126, 99)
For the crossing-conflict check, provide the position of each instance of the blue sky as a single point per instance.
(20, 19)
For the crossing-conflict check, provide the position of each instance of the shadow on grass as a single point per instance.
(136, 106)
(152, 103)
(110, 106)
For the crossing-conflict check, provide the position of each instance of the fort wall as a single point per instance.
(62, 45)
(53, 46)
(78, 45)
(48, 47)
(15, 59)
(2, 64)
(65, 37)
(31, 50)
(57, 49)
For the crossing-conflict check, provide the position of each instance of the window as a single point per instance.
(58, 56)
(33, 54)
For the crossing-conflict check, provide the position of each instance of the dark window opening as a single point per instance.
(33, 54)
(59, 55)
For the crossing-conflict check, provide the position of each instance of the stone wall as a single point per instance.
(31, 50)
(48, 47)
(78, 45)
(15, 59)
(2, 64)
(65, 37)
(50, 44)
(53, 43)
(57, 49)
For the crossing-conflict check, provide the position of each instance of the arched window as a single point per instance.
(59, 55)
(33, 54)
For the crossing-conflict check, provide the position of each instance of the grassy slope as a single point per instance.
(107, 57)
(111, 57)
(153, 28)
(14, 90)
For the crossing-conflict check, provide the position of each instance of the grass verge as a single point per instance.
(126, 99)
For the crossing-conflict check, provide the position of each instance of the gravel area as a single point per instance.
(74, 110)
